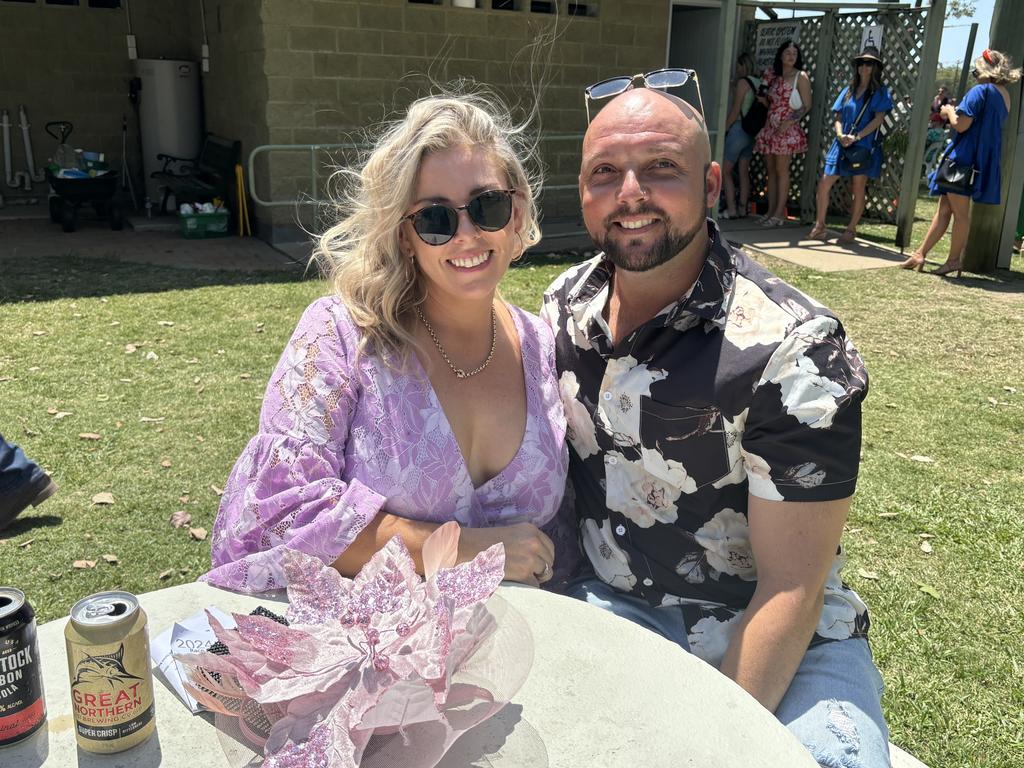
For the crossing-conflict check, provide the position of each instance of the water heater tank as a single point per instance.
(169, 114)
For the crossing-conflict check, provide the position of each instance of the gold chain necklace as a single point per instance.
(459, 373)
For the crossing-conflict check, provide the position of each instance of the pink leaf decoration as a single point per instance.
(315, 594)
(441, 549)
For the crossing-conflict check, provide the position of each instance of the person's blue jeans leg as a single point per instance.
(834, 706)
(666, 620)
(16, 469)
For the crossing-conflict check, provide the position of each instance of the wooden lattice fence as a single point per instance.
(902, 49)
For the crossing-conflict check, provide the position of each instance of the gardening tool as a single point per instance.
(243, 206)
(126, 175)
(64, 154)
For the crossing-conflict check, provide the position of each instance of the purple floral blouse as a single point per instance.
(342, 438)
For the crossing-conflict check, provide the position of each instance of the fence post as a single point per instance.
(917, 132)
(820, 115)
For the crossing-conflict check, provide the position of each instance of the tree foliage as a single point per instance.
(958, 9)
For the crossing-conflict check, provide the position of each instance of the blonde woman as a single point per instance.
(412, 395)
(977, 123)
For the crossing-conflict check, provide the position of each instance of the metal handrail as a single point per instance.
(314, 149)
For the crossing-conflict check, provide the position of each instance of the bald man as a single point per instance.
(714, 426)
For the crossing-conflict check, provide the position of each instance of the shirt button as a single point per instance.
(613, 460)
(648, 583)
(607, 395)
(620, 530)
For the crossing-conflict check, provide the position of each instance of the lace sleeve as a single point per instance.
(285, 491)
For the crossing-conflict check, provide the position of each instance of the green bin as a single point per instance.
(196, 226)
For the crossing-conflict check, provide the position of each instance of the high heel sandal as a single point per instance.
(949, 266)
(915, 262)
(848, 236)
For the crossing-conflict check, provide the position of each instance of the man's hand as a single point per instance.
(529, 553)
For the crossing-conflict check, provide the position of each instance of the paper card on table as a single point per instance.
(191, 635)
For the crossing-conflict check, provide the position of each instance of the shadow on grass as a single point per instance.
(29, 522)
(68, 277)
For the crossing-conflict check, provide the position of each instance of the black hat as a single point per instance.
(870, 53)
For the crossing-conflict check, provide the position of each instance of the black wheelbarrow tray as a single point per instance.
(71, 193)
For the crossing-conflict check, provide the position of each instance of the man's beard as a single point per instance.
(661, 251)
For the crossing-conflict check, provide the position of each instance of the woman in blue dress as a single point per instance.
(978, 124)
(859, 111)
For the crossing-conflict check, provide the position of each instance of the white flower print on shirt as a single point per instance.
(621, 415)
(759, 477)
(734, 445)
(726, 542)
(609, 561)
(754, 318)
(709, 638)
(806, 394)
(842, 605)
(581, 431)
(639, 495)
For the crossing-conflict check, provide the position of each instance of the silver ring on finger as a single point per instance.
(546, 573)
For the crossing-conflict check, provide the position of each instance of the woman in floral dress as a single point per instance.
(789, 98)
(413, 395)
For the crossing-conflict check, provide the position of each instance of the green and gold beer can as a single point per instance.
(107, 641)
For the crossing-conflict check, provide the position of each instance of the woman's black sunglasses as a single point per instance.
(437, 223)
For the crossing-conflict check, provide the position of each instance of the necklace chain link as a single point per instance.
(459, 372)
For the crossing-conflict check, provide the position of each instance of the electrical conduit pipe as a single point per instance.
(14, 180)
(30, 163)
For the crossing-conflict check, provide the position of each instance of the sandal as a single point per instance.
(915, 262)
(948, 267)
(848, 236)
(818, 233)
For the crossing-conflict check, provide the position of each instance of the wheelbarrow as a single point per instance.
(71, 193)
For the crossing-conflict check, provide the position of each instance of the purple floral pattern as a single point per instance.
(343, 437)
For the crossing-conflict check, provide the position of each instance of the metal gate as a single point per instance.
(828, 42)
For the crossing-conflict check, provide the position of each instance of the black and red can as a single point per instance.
(22, 706)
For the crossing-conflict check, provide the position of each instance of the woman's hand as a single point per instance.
(785, 125)
(948, 111)
(846, 140)
(529, 553)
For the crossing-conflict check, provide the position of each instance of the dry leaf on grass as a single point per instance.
(165, 574)
(39, 333)
(83, 564)
(30, 432)
(928, 589)
(871, 575)
(130, 348)
(926, 547)
(26, 544)
(180, 519)
(992, 401)
(1011, 390)
(151, 419)
(922, 459)
(166, 463)
(218, 491)
(259, 327)
(245, 375)
(6, 378)
(35, 368)
(165, 323)
(112, 559)
(183, 499)
(926, 535)
(89, 436)
(151, 355)
(197, 533)
(885, 515)
(106, 497)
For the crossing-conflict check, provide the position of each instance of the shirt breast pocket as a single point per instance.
(690, 436)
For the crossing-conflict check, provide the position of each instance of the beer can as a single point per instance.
(22, 706)
(107, 641)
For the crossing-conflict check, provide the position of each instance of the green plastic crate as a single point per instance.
(196, 226)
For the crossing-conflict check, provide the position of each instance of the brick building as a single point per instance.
(298, 72)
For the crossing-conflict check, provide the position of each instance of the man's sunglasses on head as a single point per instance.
(437, 223)
(660, 79)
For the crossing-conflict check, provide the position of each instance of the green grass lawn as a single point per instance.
(168, 367)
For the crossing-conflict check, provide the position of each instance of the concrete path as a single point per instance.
(790, 243)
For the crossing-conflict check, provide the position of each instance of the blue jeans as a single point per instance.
(16, 469)
(833, 706)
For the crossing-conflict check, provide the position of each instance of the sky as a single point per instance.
(956, 32)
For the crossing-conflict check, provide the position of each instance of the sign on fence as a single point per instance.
(770, 35)
(872, 35)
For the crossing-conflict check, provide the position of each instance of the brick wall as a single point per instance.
(335, 67)
(71, 63)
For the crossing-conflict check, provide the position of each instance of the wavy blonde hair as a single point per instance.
(1000, 71)
(360, 256)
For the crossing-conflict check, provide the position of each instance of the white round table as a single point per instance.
(602, 691)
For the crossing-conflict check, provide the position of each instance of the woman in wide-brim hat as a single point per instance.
(856, 152)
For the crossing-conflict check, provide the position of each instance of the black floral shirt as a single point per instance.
(744, 385)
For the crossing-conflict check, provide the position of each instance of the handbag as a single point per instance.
(954, 177)
(856, 157)
(756, 117)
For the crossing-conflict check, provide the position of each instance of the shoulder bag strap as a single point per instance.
(868, 95)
